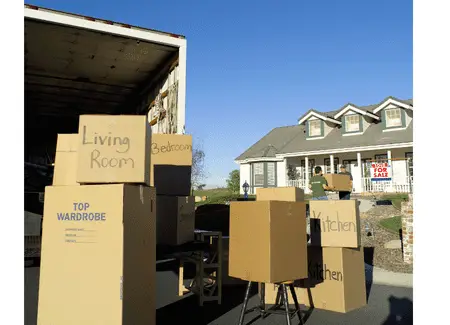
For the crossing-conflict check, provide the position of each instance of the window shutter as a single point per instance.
(271, 177)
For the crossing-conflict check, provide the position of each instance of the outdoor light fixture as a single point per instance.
(245, 187)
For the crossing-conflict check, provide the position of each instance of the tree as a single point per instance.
(233, 181)
(292, 173)
(198, 167)
(201, 187)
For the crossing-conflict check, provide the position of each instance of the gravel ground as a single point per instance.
(374, 252)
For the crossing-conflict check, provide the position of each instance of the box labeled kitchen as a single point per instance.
(335, 223)
(98, 255)
(171, 164)
(114, 149)
(66, 160)
(264, 235)
(336, 280)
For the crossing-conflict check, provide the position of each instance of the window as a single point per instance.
(311, 165)
(349, 165)
(409, 164)
(258, 174)
(352, 123)
(393, 117)
(381, 158)
(315, 128)
(328, 166)
(264, 174)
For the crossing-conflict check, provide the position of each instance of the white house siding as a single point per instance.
(366, 122)
(408, 117)
(281, 173)
(399, 165)
(244, 174)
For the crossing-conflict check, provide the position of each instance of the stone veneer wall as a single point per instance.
(407, 230)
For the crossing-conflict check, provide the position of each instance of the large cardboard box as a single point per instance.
(336, 280)
(293, 194)
(339, 182)
(98, 255)
(171, 164)
(264, 236)
(114, 149)
(335, 223)
(175, 219)
(66, 160)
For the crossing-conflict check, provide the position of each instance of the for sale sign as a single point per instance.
(380, 172)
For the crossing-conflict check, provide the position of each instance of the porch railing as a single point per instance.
(367, 185)
(402, 186)
(301, 183)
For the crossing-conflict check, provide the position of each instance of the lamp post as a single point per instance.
(245, 187)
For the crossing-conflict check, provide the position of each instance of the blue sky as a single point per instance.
(255, 65)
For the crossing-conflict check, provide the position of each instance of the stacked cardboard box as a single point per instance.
(98, 242)
(336, 274)
(170, 170)
(265, 234)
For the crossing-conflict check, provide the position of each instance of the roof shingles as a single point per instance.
(292, 139)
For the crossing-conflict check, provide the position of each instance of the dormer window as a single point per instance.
(352, 123)
(393, 117)
(315, 128)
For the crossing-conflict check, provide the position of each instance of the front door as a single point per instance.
(351, 167)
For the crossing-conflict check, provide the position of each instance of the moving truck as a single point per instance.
(82, 65)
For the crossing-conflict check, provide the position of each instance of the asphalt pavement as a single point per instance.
(387, 305)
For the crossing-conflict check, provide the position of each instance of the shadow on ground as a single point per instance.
(368, 261)
(397, 308)
(188, 311)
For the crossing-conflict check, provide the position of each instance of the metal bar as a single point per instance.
(286, 304)
(244, 306)
(297, 306)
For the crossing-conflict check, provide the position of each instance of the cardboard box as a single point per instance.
(175, 219)
(171, 164)
(336, 280)
(293, 194)
(114, 149)
(335, 223)
(264, 235)
(98, 255)
(66, 160)
(339, 182)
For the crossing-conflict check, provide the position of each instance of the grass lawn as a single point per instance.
(396, 199)
(218, 196)
(393, 224)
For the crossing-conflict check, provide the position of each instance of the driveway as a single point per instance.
(388, 305)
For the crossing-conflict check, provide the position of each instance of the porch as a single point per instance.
(299, 169)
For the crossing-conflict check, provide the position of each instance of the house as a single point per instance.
(357, 136)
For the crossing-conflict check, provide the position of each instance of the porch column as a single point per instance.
(332, 164)
(358, 176)
(306, 175)
(389, 157)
